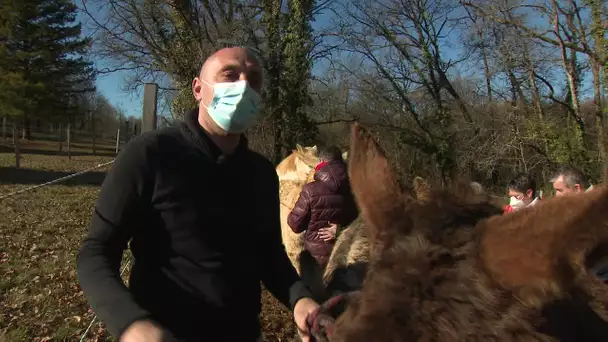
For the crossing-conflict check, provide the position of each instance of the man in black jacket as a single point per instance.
(202, 213)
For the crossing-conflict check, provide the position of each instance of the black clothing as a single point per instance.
(204, 230)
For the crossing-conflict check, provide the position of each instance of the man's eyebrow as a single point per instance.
(230, 67)
(252, 69)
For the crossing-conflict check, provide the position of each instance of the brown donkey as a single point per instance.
(349, 259)
(451, 268)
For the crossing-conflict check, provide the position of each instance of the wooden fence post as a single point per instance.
(4, 128)
(117, 140)
(60, 135)
(149, 117)
(17, 150)
(94, 133)
(68, 136)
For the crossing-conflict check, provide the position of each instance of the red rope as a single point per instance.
(321, 321)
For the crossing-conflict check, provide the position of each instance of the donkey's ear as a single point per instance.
(467, 189)
(477, 188)
(422, 189)
(374, 185)
(345, 155)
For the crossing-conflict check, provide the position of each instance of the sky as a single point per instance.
(111, 85)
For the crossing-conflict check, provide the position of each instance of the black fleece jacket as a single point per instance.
(204, 230)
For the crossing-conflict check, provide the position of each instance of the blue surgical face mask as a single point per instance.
(516, 203)
(234, 106)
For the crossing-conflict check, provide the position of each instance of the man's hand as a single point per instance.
(303, 307)
(146, 331)
(328, 233)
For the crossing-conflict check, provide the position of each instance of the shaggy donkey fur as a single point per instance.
(349, 259)
(451, 268)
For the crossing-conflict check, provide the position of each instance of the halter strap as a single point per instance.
(320, 322)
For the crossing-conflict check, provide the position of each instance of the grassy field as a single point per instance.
(41, 230)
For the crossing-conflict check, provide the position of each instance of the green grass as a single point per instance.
(41, 231)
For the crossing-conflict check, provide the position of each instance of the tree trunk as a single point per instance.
(570, 66)
(486, 69)
(534, 87)
(272, 16)
(27, 123)
(598, 30)
(599, 113)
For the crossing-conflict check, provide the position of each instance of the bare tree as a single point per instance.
(402, 42)
(566, 29)
(166, 41)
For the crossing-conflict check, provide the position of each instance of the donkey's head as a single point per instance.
(452, 268)
(422, 189)
(391, 214)
(410, 240)
(299, 164)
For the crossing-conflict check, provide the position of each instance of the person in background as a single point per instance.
(324, 204)
(200, 213)
(569, 180)
(522, 192)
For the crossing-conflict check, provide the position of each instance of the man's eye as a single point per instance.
(230, 75)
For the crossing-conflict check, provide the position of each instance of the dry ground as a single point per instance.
(40, 230)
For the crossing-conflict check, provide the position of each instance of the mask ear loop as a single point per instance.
(201, 101)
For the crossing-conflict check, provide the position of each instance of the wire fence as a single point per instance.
(86, 332)
(59, 134)
(56, 181)
(63, 141)
(29, 189)
(66, 139)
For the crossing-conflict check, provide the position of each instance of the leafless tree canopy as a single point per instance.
(483, 88)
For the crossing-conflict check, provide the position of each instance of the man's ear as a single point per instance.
(529, 193)
(577, 188)
(197, 87)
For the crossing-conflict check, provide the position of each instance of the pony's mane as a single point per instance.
(297, 165)
(288, 164)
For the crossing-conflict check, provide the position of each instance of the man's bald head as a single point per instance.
(224, 66)
(233, 58)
